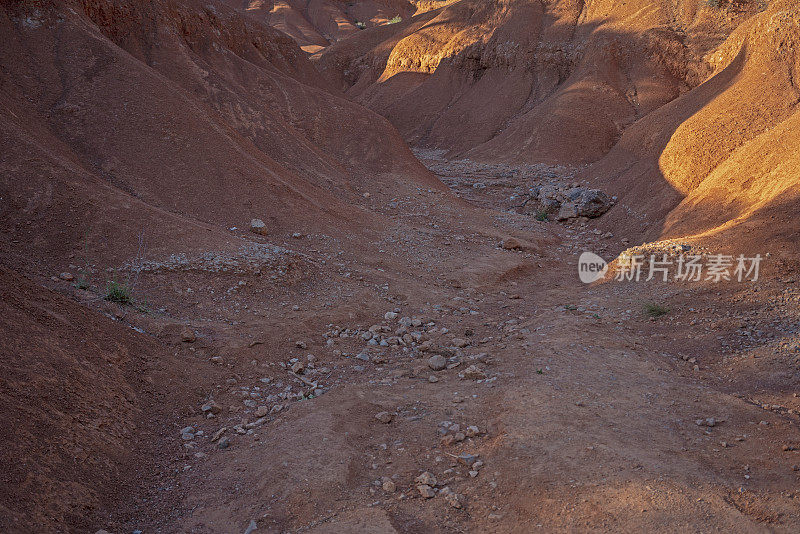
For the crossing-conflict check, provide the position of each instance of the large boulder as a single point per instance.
(590, 202)
(571, 202)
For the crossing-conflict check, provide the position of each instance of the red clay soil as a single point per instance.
(85, 405)
(394, 322)
(103, 153)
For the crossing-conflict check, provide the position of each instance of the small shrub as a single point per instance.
(542, 215)
(714, 4)
(395, 19)
(651, 309)
(81, 283)
(119, 293)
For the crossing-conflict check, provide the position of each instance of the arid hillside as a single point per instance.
(531, 81)
(156, 130)
(724, 152)
(662, 99)
(318, 266)
(174, 116)
(84, 399)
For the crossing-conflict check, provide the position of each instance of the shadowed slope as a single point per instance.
(78, 392)
(179, 114)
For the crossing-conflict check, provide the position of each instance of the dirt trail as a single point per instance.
(586, 410)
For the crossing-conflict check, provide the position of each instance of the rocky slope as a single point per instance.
(132, 131)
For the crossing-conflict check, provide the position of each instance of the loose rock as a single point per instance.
(426, 491)
(427, 478)
(251, 527)
(453, 499)
(211, 408)
(257, 226)
(473, 372)
(188, 335)
(384, 417)
(437, 362)
(467, 459)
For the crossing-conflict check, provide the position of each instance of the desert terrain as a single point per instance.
(318, 266)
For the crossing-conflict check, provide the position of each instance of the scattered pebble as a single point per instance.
(188, 335)
(452, 498)
(384, 417)
(427, 478)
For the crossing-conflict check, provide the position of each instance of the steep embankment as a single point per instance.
(79, 394)
(182, 118)
(726, 152)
